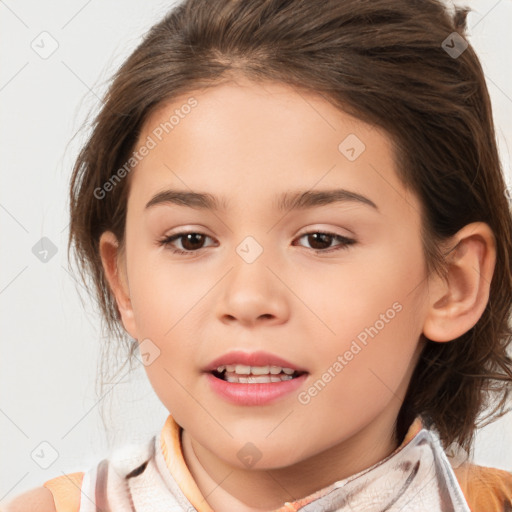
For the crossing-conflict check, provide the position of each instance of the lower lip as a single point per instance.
(254, 394)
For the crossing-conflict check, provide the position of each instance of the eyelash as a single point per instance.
(346, 242)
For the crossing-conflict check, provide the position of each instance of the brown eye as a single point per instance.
(190, 242)
(321, 241)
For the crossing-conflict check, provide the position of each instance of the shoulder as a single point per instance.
(39, 499)
(60, 494)
(486, 489)
(63, 493)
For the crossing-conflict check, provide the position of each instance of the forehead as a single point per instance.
(249, 136)
(254, 109)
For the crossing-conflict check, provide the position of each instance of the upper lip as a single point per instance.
(251, 359)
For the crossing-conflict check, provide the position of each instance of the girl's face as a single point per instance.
(258, 173)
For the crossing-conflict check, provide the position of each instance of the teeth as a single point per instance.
(242, 369)
(261, 379)
(260, 370)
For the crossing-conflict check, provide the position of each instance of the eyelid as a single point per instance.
(329, 231)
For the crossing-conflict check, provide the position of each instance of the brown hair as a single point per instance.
(382, 61)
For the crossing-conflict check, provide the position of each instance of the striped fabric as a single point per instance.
(417, 476)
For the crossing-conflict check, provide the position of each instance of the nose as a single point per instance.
(253, 294)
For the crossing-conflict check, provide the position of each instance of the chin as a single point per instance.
(263, 456)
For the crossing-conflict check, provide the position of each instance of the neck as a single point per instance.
(233, 489)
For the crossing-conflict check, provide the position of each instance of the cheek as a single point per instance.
(162, 293)
(366, 366)
(353, 294)
(371, 308)
(170, 385)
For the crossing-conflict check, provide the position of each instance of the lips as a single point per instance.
(253, 378)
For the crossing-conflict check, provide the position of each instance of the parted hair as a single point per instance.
(382, 61)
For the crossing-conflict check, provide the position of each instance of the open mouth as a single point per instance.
(243, 374)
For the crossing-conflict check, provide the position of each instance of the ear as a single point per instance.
(114, 266)
(457, 301)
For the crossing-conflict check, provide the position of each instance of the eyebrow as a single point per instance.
(287, 201)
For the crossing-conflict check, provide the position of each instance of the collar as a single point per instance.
(417, 472)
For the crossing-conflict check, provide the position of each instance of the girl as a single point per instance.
(298, 213)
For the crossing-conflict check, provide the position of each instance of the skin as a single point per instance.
(247, 142)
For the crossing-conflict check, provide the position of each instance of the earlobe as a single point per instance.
(458, 300)
(114, 266)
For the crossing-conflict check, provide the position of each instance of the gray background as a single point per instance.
(50, 340)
